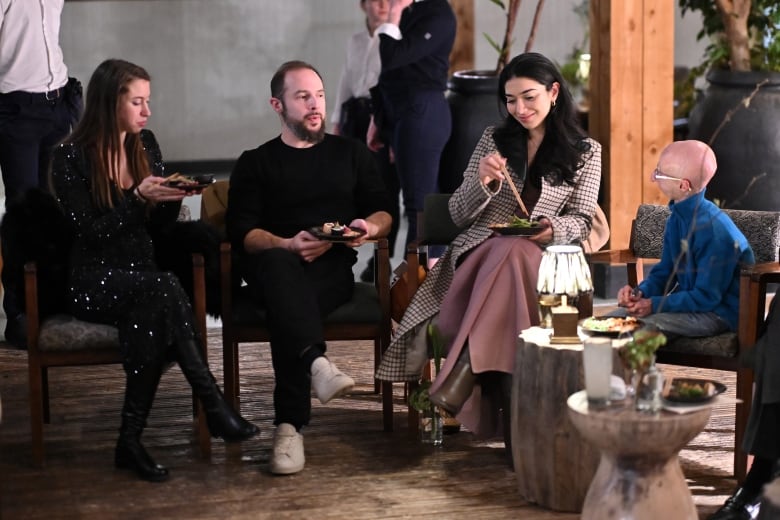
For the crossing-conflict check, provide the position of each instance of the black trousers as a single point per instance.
(30, 127)
(297, 295)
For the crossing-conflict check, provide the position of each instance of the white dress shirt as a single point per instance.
(360, 72)
(30, 53)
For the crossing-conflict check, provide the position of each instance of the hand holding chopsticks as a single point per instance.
(511, 183)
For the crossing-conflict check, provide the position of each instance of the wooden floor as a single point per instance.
(354, 469)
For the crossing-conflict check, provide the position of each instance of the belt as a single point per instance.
(34, 98)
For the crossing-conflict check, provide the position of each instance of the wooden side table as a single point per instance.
(639, 475)
(553, 463)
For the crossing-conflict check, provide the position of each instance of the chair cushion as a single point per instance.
(761, 228)
(362, 308)
(63, 332)
(648, 232)
(725, 345)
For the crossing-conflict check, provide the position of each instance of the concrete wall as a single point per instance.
(211, 60)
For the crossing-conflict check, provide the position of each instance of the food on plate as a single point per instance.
(517, 222)
(615, 324)
(178, 179)
(339, 230)
(690, 390)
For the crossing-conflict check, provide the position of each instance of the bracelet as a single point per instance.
(137, 193)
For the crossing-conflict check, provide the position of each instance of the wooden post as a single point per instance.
(632, 66)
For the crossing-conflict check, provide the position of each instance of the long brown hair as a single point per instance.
(98, 131)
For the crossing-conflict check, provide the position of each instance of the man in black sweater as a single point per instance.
(281, 194)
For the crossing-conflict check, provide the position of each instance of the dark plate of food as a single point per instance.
(517, 227)
(685, 390)
(335, 232)
(187, 183)
(609, 325)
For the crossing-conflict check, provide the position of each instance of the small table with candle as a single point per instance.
(553, 463)
(639, 474)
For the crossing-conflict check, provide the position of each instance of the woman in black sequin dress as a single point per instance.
(107, 177)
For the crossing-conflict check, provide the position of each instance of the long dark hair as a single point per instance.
(98, 131)
(563, 148)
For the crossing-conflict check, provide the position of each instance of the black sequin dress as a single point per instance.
(114, 279)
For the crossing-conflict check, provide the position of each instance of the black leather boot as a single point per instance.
(130, 453)
(457, 387)
(222, 420)
(736, 506)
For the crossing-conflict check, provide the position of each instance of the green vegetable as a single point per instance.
(521, 222)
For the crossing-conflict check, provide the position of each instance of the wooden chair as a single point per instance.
(62, 340)
(365, 317)
(762, 229)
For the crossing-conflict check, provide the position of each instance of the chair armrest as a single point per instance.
(634, 265)
(612, 256)
(752, 300)
(31, 306)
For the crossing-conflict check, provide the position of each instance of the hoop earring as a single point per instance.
(553, 103)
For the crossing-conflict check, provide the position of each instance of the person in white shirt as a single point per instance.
(39, 105)
(353, 101)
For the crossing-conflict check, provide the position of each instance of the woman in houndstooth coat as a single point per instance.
(482, 292)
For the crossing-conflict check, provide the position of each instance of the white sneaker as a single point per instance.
(328, 381)
(287, 457)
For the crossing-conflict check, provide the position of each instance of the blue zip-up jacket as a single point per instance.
(703, 252)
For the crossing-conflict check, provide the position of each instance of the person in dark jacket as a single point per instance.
(411, 114)
(762, 436)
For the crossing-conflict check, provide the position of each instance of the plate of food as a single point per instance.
(685, 390)
(609, 325)
(335, 232)
(188, 183)
(518, 227)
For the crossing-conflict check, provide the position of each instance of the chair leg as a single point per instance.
(387, 405)
(377, 359)
(36, 413)
(230, 369)
(45, 394)
(745, 395)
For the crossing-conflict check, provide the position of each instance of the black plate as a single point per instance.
(517, 231)
(711, 389)
(201, 181)
(317, 232)
(610, 333)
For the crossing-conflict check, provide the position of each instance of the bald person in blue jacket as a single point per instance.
(694, 290)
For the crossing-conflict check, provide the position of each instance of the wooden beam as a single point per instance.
(462, 55)
(632, 64)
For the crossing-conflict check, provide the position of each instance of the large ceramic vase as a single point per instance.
(473, 99)
(742, 125)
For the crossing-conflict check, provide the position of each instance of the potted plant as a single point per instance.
(472, 98)
(638, 358)
(739, 113)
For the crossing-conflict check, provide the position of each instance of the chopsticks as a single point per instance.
(514, 189)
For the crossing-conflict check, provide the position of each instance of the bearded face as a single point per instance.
(309, 127)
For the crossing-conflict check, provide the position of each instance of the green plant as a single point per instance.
(510, 10)
(419, 397)
(637, 353)
(744, 34)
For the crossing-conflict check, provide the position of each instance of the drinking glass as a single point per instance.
(597, 362)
